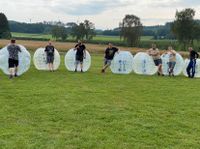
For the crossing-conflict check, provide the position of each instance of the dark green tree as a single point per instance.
(184, 26)
(131, 30)
(4, 27)
(59, 32)
(89, 30)
(85, 30)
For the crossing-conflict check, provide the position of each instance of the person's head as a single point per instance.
(13, 41)
(110, 45)
(50, 43)
(170, 48)
(80, 42)
(190, 49)
(153, 46)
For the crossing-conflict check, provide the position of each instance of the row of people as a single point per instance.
(14, 49)
(155, 53)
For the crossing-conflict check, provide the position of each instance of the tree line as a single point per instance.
(185, 29)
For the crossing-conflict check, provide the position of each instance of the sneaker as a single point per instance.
(16, 75)
(102, 71)
(10, 77)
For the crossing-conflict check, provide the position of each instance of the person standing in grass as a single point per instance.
(49, 49)
(192, 64)
(172, 60)
(109, 55)
(13, 61)
(80, 55)
(155, 53)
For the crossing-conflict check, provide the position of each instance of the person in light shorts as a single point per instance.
(172, 60)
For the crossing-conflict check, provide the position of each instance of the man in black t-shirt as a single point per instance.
(80, 55)
(109, 55)
(13, 60)
(192, 64)
(50, 55)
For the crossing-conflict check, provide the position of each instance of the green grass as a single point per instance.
(96, 38)
(42, 110)
(27, 35)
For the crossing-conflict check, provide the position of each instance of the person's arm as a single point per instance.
(148, 52)
(53, 50)
(75, 47)
(84, 52)
(157, 52)
(105, 53)
(117, 50)
(173, 52)
(45, 49)
(19, 49)
(8, 48)
(197, 55)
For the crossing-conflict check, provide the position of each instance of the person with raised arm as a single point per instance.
(49, 49)
(109, 55)
(155, 53)
(80, 55)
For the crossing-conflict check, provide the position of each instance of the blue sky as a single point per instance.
(106, 14)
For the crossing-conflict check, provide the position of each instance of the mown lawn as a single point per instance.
(64, 110)
(96, 38)
(27, 35)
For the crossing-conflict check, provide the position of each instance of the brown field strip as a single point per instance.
(65, 46)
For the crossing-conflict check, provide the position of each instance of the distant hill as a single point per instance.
(39, 28)
(157, 31)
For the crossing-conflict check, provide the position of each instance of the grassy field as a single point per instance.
(66, 110)
(37, 36)
(97, 38)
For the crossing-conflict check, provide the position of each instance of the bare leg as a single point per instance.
(12, 72)
(51, 67)
(81, 64)
(76, 66)
(16, 70)
(160, 69)
(105, 67)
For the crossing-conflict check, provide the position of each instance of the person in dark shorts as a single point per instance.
(155, 53)
(109, 55)
(50, 55)
(80, 55)
(13, 61)
(192, 64)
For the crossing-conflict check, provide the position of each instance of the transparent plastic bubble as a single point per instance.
(143, 64)
(70, 61)
(24, 60)
(197, 68)
(122, 63)
(178, 67)
(40, 59)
